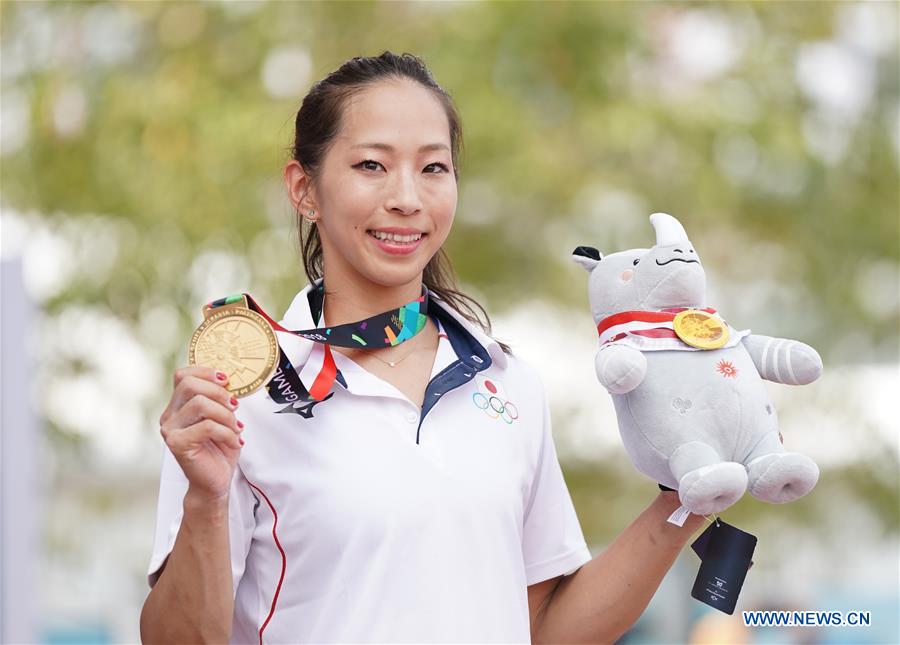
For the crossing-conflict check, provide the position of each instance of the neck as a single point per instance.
(347, 301)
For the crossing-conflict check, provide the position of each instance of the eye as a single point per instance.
(442, 166)
(367, 164)
(692, 250)
(636, 262)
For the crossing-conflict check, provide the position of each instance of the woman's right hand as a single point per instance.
(201, 430)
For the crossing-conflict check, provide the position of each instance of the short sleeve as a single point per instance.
(553, 543)
(173, 486)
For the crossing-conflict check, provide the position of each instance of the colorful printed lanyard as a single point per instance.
(387, 329)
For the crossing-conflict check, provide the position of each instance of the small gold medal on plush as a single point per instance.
(701, 329)
(236, 340)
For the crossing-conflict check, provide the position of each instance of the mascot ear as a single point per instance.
(587, 257)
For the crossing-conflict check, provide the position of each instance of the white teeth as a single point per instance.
(393, 237)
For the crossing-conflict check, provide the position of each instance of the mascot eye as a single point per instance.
(692, 250)
(636, 262)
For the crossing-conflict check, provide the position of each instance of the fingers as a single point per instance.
(200, 395)
(192, 380)
(192, 387)
(205, 429)
(201, 406)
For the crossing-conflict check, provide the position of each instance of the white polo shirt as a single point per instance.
(363, 518)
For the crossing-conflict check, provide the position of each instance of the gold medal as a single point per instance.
(236, 340)
(700, 329)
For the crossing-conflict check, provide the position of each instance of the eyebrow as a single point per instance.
(390, 148)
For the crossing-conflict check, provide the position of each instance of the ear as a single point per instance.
(587, 257)
(299, 187)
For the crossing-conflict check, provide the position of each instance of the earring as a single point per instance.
(310, 216)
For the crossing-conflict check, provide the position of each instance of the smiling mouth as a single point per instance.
(394, 238)
(677, 260)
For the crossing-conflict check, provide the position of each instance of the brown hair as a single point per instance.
(318, 121)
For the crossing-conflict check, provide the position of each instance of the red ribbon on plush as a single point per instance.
(665, 315)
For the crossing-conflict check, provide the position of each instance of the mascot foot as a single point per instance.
(712, 488)
(782, 477)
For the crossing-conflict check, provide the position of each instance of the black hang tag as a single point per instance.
(726, 553)
(699, 545)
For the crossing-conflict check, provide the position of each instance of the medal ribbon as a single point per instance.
(653, 324)
(386, 329)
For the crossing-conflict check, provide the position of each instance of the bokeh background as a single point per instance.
(142, 146)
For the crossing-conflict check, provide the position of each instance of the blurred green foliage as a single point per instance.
(181, 134)
(580, 119)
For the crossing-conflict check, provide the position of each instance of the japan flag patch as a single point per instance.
(490, 397)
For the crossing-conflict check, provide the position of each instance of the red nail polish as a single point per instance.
(234, 401)
(221, 376)
(240, 425)
(241, 439)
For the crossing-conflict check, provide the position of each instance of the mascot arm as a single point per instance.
(783, 360)
(619, 368)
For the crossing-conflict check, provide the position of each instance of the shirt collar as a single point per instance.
(471, 344)
(469, 340)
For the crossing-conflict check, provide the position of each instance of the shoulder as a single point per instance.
(524, 373)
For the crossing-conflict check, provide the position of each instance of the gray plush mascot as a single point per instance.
(693, 412)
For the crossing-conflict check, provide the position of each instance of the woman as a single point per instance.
(417, 496)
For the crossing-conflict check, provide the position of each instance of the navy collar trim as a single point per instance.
(472, 353)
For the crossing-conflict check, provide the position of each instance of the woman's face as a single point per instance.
(386, 193)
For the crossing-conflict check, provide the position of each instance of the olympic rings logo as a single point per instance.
(494, 406)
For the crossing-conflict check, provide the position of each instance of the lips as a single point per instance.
(396, 236)
(396, 241)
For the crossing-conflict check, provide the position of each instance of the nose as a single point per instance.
(403, 194)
